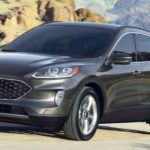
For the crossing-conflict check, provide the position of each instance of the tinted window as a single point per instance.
(143, 43)
(64, 40)
(126, 45)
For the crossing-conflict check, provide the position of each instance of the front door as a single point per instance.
(124, 84)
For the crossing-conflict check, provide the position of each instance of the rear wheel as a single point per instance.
(83, 119)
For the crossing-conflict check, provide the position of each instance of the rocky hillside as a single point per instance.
(18, 16)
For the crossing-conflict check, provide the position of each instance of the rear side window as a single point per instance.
(143, 44)
(126, 45)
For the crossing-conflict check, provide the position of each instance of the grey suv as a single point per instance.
(73, 76)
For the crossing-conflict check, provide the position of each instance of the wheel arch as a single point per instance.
(98, 89)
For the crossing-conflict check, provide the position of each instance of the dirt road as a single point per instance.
(134, 136)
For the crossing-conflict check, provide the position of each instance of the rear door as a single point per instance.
(143, 46)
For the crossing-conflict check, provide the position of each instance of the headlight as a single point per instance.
(56, 72)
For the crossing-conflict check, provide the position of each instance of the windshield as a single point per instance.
(72, 41)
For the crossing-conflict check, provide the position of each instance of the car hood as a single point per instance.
(24, 59)
(14, 63)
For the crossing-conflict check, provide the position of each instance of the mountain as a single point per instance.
(123, 12)
(100, 6)
(132, 12)
(18, 16)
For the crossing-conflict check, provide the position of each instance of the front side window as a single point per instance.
(72, 41)
(143, 44)
(127, 46)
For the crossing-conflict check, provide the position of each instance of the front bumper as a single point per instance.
(52, 122)
(38, 107)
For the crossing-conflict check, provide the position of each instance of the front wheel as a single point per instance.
(83, 119)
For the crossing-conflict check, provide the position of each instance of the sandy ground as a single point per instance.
(134, 136)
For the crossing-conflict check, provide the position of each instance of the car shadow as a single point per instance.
(122, 130)
(25, 129)
(140, 145)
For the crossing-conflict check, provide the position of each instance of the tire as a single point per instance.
(76, 127)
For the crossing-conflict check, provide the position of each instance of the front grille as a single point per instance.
(12, 89)
(5, 109)
(9, 109)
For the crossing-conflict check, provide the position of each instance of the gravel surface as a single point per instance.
(133, 136)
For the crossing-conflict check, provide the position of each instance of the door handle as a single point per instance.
(137, 73)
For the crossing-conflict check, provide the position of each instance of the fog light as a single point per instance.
(59, 97)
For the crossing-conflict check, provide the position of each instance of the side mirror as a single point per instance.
(122, 58)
